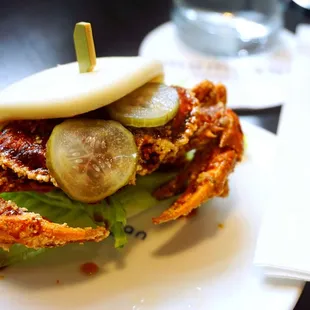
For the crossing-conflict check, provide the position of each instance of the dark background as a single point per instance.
(35, 35)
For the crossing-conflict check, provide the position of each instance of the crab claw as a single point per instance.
(210, 182)
(17, 225)
(207, 175)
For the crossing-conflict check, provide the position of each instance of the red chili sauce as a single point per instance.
(89, 268)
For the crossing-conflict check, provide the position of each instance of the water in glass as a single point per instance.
(228, 27)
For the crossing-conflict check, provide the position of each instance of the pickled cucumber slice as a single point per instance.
(151, 105)
(91, 159)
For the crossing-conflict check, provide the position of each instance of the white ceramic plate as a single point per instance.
(189, 264)
(243, 76)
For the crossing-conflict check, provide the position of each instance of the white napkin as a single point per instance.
(254, 82)
(283, 248)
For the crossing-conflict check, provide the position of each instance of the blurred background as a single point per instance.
(35, 35)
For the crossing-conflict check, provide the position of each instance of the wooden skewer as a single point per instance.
(84, 47)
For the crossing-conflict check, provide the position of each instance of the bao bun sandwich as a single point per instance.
(75, 149)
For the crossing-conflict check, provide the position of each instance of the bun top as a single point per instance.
(64, 92)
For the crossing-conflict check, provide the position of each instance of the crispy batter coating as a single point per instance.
(30, 229)
(10, 182)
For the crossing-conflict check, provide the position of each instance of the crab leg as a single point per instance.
(211, 181)
(179, 183)
(17, 225)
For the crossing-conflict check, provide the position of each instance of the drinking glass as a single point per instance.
(228, 27)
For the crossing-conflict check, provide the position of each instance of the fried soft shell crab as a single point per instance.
(203, 123)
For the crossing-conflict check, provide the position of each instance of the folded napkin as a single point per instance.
(283, 247)
(254, 82)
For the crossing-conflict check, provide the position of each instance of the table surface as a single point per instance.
(36, 35)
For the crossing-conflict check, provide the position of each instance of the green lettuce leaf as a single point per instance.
(17, 253)
(59, 208)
